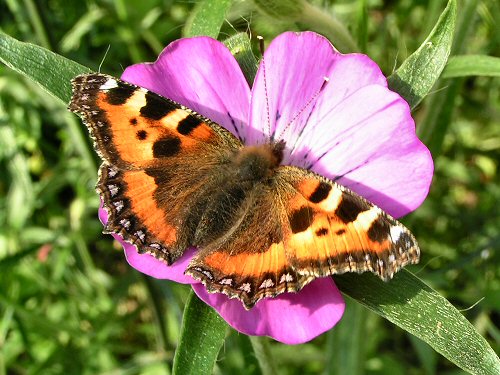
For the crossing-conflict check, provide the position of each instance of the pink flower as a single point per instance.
(354, 131)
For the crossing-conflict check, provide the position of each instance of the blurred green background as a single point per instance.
(69, 302)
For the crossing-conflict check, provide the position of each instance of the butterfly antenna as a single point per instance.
(313, 98)
(263, 64)
(103, 58)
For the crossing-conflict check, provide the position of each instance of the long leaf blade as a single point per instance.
(241, 49)
(434, 126)
(472, 65)
(412, 305)
(415, 77)
(51, 71)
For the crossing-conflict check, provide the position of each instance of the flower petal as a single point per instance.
(148, 264)
(368, 143)
(291, 318)
(202, 74)
(292, 76)
(352, 129)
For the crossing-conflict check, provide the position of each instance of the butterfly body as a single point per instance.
(172, 179)
(230, 191)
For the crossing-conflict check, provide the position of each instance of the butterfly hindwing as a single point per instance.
(127, 196)
(251, 263)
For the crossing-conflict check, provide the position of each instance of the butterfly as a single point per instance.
(172, 179)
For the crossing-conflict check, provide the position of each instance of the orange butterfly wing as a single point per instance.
(151, 147)
(173, 179)
(305, 227)
(342, 232)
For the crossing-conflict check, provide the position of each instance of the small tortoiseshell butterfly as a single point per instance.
(172, 179)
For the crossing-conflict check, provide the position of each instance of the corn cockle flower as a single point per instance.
(353, 130)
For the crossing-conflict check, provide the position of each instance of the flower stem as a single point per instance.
(202, 335)
(36, 22)
(263, 354)
(346, 342)
(156, 300)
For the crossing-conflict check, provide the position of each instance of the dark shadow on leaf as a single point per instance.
(376, 293)
(403, 88)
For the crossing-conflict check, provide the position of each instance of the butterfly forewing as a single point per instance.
(342, 232)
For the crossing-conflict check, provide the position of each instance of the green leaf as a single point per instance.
(50, 70)
(472, 65)
(241, 49)
(207, 18)
(440, 109)
(202, 335)
(346, 343)
(362, 25)
(415, 77)
(262, 352)
(412, 305)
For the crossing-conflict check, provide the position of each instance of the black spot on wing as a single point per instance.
(133, 121)
(186, 126)
(166, 147)
(350, 207)
(119, 95)
(142, 135)
(301, 219)
(379, 230)
(322, 232)
(156, 107)
(321, 192)
(340, 232)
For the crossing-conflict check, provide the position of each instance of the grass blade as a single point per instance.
(472, 65)
(439, 112)
(415, 77)
(412, 305)
(50, 70)
(239, 45)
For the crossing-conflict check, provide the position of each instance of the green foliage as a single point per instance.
(420, 310)
(51, 71)
(415, 77)
(203, 329)
(207, 18)
(69, 303)
(472, 65)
